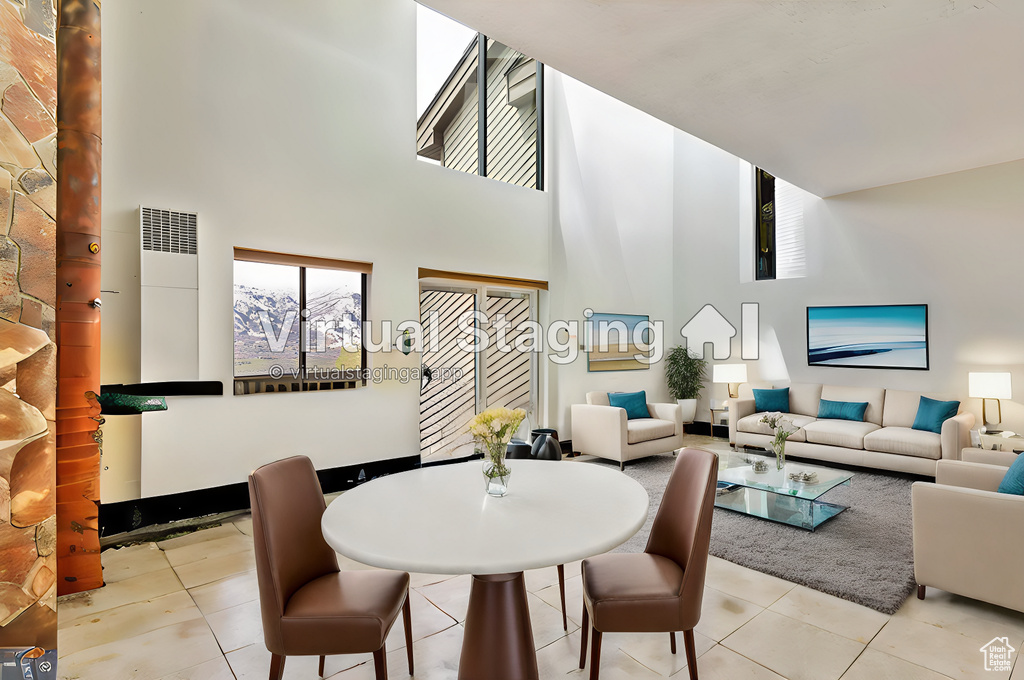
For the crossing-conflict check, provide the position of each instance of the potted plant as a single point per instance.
(685, 374)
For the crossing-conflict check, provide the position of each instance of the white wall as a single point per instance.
(952, 241)
(287, 127)
(610, 168)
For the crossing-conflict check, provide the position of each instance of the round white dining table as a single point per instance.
(440, 520)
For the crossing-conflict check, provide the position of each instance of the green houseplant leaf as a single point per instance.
(685, 373)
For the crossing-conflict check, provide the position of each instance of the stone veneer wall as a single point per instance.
(28, 359)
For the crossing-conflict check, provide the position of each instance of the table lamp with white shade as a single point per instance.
(986, 386)
(733, 374)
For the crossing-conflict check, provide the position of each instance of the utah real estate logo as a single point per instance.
(998, 655)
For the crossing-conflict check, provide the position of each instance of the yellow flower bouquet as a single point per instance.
(493, 429)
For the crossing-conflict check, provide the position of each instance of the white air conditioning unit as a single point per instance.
(170, 295)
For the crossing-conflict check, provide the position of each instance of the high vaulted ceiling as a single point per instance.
(831, 95)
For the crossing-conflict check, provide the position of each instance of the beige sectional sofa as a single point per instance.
(884, 440)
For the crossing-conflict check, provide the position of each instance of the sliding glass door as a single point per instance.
(499, 375)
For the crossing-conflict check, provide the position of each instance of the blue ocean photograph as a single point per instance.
(868, 336)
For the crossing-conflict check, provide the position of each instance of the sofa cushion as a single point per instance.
(931, 414)
(845, 433)
(645, 429)
(875, 396)
(772, 400)
(904, 441)
(635, 403)
(746, 390)
(1013, 482)
(597, 398)
(842, 410)
(754, 425)
(804, 397)
(900, 408)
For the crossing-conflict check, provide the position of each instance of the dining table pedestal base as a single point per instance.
(498, 642)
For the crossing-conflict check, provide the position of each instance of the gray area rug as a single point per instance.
(864, 555)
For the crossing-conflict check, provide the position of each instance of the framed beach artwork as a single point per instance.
(603, 340)
(868, 336)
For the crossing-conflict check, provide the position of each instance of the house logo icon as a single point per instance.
(998, 655)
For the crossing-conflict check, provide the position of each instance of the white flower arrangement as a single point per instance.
(494, 428)
(782, 427)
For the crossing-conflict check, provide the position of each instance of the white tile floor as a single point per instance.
(188, 608)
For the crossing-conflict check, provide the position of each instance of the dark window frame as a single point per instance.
(764, 226)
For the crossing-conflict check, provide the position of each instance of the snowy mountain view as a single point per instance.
(266, 318)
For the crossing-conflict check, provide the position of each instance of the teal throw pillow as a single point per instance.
(842, 410)
(1013, 482)
(772, 400)
(931, 414)
(635, 403)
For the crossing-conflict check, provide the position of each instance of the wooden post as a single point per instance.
(78, 292)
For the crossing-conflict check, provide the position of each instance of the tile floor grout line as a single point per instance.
(866, 645)
(153, 630)
(130, 637)
(220, 646)
(105, 611)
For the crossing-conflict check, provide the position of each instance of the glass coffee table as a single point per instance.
(773, 495)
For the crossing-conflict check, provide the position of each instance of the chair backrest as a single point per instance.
(287, 505)
(682, 528)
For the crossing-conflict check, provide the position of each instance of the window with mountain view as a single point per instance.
(494, 130)
(297, 322)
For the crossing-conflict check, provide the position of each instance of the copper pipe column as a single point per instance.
(78, 292)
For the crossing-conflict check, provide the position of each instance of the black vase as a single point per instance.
(543, 430)
(546, 447)
(518, 449)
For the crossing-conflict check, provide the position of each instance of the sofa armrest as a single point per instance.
(969, 475)
(964, 542)
(738, 408)
(673, 412)
(1002, 458)
(599, 430)
(955, 435)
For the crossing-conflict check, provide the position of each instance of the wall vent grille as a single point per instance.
(169, 231)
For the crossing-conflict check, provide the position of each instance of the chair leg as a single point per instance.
(584, 632)
(380, 663)
(561, 593)
(276, 666)
(691, 653)
(407, 617)
(920, 592)
(595, 655)
(672, 641)
(322, 659)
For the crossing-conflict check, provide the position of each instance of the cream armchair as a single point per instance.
(602, 430)
(966, 535)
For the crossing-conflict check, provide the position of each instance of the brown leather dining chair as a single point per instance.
(309, 606)
(659, 590)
